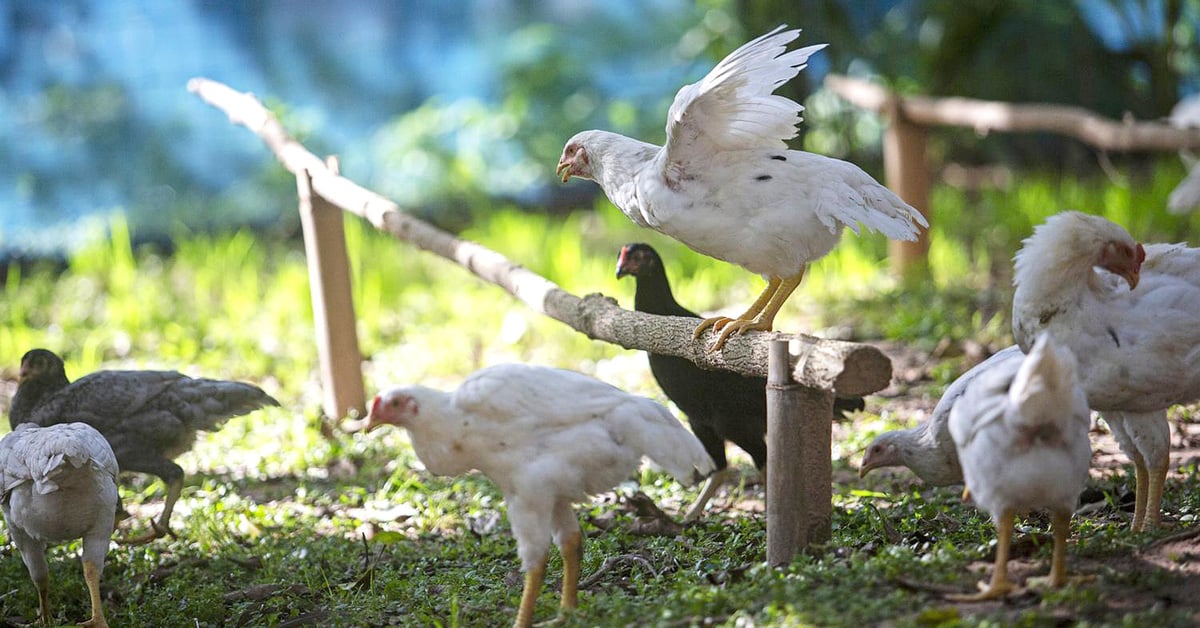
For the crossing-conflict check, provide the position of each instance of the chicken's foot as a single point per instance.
(761, 314)
(572, 556)
(715, 481)
(91, 574)
(161, 527)
(533, 585)
(999, 586)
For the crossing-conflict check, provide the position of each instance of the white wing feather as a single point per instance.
(733, 107)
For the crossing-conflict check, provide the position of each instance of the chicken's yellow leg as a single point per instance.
(1154, 491)
(161, 527)
(43, 589)
(533, 585)
(572, 555)
(1140, 492)
(91, 574)
(1000, 584)
(714, 482)
(717, 322)
(765, 319)
(1061, 523)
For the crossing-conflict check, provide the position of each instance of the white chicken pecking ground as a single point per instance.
(1021, 431)
(57, 484)
(927, 449)
(726, 184)
(548, 438)
(1131, 314)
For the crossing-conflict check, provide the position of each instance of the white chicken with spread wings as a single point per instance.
(726, 184)
(548, 438)
(57, 484)
(1131, 313)
(1021, 431)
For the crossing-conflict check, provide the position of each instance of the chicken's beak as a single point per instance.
(1132, 276)
(372, 421)
(863, 471)
(564, 170)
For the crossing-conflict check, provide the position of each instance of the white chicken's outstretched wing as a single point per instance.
(733, 106)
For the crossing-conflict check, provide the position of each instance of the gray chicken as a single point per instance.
(57, 484)
(148, 417)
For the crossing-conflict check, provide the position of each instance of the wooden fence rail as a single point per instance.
(910, 119)
(812, 367)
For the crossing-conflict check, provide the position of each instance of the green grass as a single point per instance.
(353, 531)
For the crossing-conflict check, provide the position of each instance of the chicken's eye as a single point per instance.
(395, 403)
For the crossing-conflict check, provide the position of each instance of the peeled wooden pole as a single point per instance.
(907, 174)
(799, 469)
(333, 306)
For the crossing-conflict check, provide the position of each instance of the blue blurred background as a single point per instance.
(450, 107)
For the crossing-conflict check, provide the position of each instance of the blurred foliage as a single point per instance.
(1007, 50)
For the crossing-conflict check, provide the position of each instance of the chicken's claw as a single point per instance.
(987, 591)
(156, 531)
(716, 322)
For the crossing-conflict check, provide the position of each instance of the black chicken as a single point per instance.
(148, 417)
(720, 405)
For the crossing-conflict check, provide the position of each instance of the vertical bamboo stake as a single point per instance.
(799, 464)
(333, 307)
(907, 174)
(783, 465)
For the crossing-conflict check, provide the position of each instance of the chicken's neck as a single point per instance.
(617, 160)
(31, 393)
(1048, 295)
(653, 296)
(440, 434)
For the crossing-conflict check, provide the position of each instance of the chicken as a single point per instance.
(927, 449)
(1186, 196)
(57, 484)
(1131, 313)
(720, 405)
(548, 438)
(1022, 436)
(148, 417)
(726, 185)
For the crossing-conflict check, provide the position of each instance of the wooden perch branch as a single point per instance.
(848, 369)
(985, 116)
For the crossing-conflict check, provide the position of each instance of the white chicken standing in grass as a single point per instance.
(548, 438)
(1022, 436)
(726, 184)
(59, 483)
(1131, 314)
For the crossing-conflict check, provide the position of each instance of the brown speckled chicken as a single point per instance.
(57, 484)
(148, 417)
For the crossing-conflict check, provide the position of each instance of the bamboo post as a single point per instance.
(333, 306)
(907, 174)
(799, 467)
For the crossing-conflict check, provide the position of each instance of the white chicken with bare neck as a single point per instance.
(726, 184)
(1131, 314)
(548, 438)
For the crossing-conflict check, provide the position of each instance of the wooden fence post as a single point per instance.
(799, 464)
(906, 172)
(333, 305)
